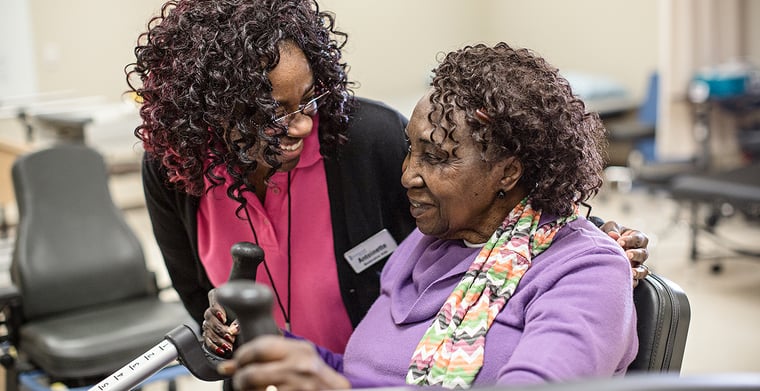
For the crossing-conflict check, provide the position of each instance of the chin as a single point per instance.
(287, 166)
(427, 230)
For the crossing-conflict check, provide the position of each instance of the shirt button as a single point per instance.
(276, 190)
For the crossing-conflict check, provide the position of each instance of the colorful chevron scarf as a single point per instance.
(450, 353)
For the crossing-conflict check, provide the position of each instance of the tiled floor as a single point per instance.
(725, 306)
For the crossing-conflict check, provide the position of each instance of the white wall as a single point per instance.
(751, 15)
(17, 71)
(393, 44)
(614, 38)
(83, 45)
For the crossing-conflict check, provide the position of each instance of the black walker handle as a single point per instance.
(252, 304)
(246, 258)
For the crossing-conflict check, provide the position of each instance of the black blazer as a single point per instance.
(365, 193)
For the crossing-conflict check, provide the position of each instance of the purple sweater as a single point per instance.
(572, 315)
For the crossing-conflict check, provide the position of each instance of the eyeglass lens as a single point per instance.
(309, 108)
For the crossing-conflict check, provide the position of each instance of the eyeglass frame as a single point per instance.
(301, 108)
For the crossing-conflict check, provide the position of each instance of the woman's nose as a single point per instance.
(409, 176)
(300, 126)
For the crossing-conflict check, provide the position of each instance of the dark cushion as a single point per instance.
(100, 341)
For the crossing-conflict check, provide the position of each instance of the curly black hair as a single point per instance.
(528, 111)
(201, 70)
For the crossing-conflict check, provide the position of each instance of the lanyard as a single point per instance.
(285, 309)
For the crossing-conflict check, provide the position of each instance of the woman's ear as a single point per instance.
(513, 171)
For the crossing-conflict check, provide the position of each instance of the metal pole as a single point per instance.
(139, 369)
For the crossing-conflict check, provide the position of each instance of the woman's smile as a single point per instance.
(417, 208)
(290, 152)
(291, 147)
(452, 189)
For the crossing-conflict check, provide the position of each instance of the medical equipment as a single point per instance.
(251, 303)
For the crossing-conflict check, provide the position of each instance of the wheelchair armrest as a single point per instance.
(9, 296)
(10, 307)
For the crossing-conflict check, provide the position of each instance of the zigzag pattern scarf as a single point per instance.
(450, 353)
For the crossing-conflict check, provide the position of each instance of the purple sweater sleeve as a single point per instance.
(334, 360)
(580, 326)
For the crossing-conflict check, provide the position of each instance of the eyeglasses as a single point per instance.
(309, 108)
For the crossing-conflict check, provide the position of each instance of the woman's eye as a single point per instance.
(433, 158)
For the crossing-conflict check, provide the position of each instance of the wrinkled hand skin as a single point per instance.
(635, 243)
(285, 363)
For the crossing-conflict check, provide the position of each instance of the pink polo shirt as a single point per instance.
(316, 307)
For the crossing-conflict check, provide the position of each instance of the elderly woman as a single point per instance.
(503, 282)
(253, 134)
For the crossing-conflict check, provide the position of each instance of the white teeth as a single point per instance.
(415, 204)
(291, 147)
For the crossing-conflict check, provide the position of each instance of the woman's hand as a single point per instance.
(271, 363)
(217, 335)
(635, 245)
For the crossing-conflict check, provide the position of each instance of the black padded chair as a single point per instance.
(664, 314)
(83, 302)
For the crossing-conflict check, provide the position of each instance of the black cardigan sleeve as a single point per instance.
(366, 196)
(172, 215)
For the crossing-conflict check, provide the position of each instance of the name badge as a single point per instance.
(370, 251)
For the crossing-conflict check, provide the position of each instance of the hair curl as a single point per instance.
(202, 67)
(532, 115)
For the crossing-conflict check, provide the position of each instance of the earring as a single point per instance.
(501, 194)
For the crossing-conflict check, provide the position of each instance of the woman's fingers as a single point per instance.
(287, 364)
(217, 336)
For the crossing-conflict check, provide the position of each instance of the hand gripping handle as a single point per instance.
(252, 304)
(246, 258)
